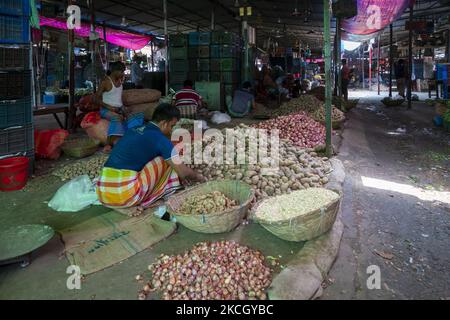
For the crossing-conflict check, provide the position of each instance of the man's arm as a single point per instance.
(185, 172)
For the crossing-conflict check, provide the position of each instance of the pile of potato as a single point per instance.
(207, 203)
(298, 169)
(91, 167)
(336, 115)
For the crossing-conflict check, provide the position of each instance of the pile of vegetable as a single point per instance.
(296, 204)
(393, 102)
(336, 115)
(319, 93)
(207, 203)
(222, 270)
(300, 129)
(92, 167)
(297, 169)
(306, 103)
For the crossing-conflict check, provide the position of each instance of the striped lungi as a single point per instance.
(128, 188)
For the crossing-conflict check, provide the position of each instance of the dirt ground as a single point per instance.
(395, 227)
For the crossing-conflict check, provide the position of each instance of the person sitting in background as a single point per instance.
(270, 86)
(144, 166)
(243, 101)
(188, 101)
(296, 89)
(109, 95)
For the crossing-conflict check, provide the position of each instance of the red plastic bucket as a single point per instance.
(13, 173)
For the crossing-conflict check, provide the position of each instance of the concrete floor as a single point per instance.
(409, 233)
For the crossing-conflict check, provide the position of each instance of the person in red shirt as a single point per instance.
(188, 101)
(345, 79)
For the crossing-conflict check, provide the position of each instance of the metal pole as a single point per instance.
(166, 38)
(378, 64)
(327, 49)
(338, 56)
(213, 18)
(92, 44)
(410, 54)
(391, 58)
(363, 66)
(370, 67)
(105, 46)
(71, 56)
(335, 64)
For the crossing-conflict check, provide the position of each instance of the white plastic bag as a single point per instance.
(220, 117)
(75, 195)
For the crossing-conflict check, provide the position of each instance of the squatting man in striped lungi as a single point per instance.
(144, 166)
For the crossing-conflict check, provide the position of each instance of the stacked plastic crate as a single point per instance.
(16, 125)
(226, 51)
(178, 60)
(199, 63)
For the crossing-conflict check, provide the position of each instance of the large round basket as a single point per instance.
(303, 227)
(217, 222)
(80, 147)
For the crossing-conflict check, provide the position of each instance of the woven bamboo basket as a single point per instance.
(218, 222)
(80, 147)
(303, 227)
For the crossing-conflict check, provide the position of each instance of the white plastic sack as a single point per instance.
(75, 195)
(219, 117)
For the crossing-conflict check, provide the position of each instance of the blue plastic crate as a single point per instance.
(214, 51)
(15, 113)
(14, 30)
(199, 38)
(15, 7)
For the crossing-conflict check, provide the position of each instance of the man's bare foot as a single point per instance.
(107, 149)
(131, 212)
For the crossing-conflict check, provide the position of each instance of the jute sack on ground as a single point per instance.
(139, 96)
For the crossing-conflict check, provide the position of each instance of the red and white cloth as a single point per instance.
(187, 100)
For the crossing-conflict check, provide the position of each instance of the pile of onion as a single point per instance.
(299, 128)
(211, 271)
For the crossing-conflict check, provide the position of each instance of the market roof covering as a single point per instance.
(118, 37)
(373, 16)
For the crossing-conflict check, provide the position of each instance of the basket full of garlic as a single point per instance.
(212, 207)
(299, 216)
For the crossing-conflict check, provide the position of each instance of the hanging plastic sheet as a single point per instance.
(118, 37)
(373, 16)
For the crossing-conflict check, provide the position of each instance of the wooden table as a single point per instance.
(54, 109)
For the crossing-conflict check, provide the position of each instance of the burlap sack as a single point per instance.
(140, 96)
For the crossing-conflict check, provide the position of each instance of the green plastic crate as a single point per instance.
(179, 66)
(178, 77)
(211, 92)
(216, 37)
(193, 52)
(178, 40)
(203, 51)
(228, 64)
(178, 53)
(215, 65)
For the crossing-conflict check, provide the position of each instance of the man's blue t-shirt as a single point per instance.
(138, 147)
